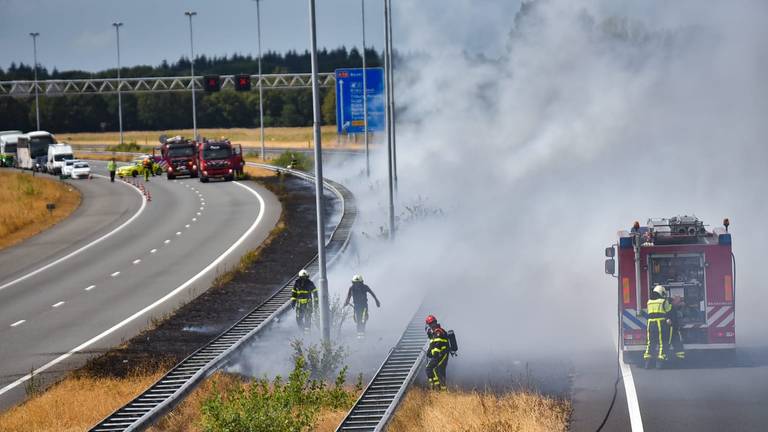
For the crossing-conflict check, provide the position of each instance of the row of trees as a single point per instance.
(156, 111)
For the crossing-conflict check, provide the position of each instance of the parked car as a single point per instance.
(67, 168)
(40, 164)
(136, 168)
(81, 169)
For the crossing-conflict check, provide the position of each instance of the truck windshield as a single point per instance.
(61, 157)
(181, 151)
(216, 153)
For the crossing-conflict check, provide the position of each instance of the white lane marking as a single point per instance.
(167, 241)
(186, 226)
(153, 251)
(98, 240)
(115, 274)
(178, 233)
(136, 261)
(635, 420)
(198, 213)
(202, 208)
(18, 323)
(194, 219)
(57, 304)
(161, 300)
(88, 288)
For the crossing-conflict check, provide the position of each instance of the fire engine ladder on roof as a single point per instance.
(172, 388)
(378, 402)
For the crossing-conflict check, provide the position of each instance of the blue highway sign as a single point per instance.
(350, 117)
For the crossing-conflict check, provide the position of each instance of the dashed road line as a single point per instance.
(88, 288)
(153, 251)
(57, 304)
(194, 219)
(136, 261)
(167, 241)
(186, 226)
(115, 274)
(178, 233)
(18, 323)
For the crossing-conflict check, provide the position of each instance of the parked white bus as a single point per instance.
(33, 145)
(8, 141)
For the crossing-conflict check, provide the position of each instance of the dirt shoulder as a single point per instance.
(23, 200)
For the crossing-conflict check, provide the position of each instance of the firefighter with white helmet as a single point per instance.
(358, 293)
(658, 328)
(304, 300)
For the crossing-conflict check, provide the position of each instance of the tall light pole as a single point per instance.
(119, 95)
(34, 53)
(365, 95)
(324, 311)
(261, 87)
(392, 98)
(388, 85)
(190, 14)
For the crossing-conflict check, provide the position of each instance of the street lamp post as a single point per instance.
(365, 95)
(34, 52)
(190, 14)
(323, 281)
(392, 98)
(261, 87)
(387, 111)
(119, 95)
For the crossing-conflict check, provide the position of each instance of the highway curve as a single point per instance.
(105, 292)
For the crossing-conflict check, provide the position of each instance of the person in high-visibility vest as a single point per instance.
(112, 168)
(437, 353)
(147, 168)
(304, 300)
(658, 328)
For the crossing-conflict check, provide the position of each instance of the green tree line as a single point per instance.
(173, 110)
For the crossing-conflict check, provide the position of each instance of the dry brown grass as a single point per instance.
(103, 157)
(23, 200)
(427, 411)
(74, 404)
(298, 137)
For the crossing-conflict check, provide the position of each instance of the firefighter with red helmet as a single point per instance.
(437, 353)
(658, 328)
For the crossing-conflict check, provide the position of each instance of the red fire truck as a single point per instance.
(697, 268)
(219, 159)
(179, 157)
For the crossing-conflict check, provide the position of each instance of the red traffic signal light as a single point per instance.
(212, 83)
(242, 82)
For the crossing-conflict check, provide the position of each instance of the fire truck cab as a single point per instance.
(219, 159)
(179, 156)
(697, 268)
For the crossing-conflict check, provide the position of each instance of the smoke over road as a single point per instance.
(587, 116)
(593, 115)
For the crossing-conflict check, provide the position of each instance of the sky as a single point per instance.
(77, 34)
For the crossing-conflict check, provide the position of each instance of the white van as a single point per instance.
(57, 154)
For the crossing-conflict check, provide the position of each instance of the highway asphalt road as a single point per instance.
(710, 394)
(159, 255)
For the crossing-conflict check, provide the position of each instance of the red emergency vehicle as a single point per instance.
(697, 268)
(219, 159)
(179, 157)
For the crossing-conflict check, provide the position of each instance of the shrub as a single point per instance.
(297, 160)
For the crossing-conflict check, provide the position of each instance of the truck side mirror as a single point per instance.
(610, 252)
(610, 266)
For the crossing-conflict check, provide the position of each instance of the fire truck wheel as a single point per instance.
(203, 179)
(171, 176)
(230, 178)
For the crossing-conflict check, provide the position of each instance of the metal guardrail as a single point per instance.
(66, 87)
(171, 389)
(375, 407)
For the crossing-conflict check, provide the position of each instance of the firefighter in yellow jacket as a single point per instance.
(304, 300)
(437, 354)
(658, 328)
